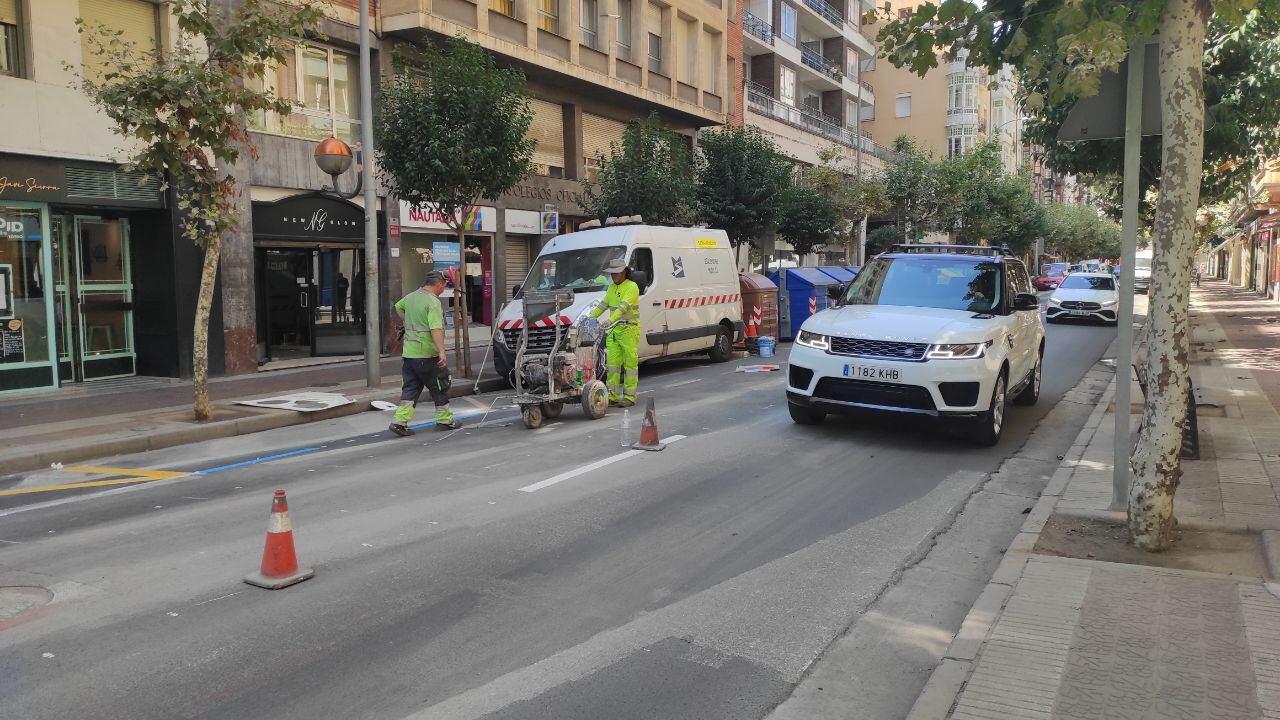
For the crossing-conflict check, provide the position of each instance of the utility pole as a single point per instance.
(372, 299)
(1122, 475)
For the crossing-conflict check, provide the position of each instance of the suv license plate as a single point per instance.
(1080, 312)
(866, 372)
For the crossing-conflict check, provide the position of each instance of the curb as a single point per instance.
(126, 443)
(950, 676)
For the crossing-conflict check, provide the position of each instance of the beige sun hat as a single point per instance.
(615, 266)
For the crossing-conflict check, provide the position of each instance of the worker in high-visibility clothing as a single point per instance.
(622, 344)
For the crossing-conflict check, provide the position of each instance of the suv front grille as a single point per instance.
(1080, 305)
(868, 392)
(879, 349)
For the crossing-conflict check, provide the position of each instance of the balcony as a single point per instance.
(819, 63)
(757, 28)
(761, 100)
(828, 13)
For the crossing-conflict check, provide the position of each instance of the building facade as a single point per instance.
(90, 264)
(591, 66)
(1250, 259)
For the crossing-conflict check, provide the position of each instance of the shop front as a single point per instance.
(427, 243)
(309, 273)
(69, 303)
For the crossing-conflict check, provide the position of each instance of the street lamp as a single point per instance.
(334, 157)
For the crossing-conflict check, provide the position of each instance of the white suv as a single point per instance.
(940, 330)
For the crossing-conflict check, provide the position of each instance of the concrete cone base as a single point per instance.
(275, 583)
(652, 448)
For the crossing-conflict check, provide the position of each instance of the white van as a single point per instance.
(690, 301)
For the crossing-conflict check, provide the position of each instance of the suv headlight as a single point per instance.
(958, 351)
(813, 340)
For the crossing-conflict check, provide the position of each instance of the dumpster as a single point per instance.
(759, 302)
(843, 275)
(802, 291)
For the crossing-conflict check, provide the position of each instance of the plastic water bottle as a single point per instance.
(626, 427)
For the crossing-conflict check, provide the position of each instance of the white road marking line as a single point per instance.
(684, 382)
(569, 475)
(220, 597)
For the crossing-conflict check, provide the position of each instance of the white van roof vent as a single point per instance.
(624, 220)
(589, 225)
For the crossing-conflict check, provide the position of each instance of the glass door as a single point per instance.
(103, 295)
(339, 316)
(290, 303)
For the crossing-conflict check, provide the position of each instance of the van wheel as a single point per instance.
(722, 350)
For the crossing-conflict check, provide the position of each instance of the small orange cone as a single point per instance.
(279, 561)
(649, 430)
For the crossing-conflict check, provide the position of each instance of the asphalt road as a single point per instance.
(487, 573)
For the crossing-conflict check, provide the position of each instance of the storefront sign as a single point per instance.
(445, 254)
(523, 222)
(31, 179)
(550, 223)
(538, 192)
(477, 218)
(310, 216)
(13, 348)
(393, 231)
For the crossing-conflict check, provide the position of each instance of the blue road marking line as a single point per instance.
(457, 416)
(255, 461)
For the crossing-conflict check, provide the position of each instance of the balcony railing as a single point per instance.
(819, 63)
(825, 10)
(757, 27)
(867, 86)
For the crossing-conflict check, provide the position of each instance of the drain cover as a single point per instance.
(19, 599)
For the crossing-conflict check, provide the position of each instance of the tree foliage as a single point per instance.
(912, 186)
(741, 179)
(880, 239)
(854, 195)
(807, 219)
(453, 130)
(453, 127)
(1078, 232)
(650, 174)
(186, 107)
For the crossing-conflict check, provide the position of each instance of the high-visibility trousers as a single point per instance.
(622, 362)
(418, 374)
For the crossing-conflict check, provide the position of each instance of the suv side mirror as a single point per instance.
(1026, 301)
(835, 291)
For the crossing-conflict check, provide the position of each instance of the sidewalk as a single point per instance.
(1076, 624)
(136, 414)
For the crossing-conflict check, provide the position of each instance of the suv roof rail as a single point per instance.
(1003, 250)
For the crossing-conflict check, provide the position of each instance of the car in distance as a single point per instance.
(1085, 296)
(1050, 275)
(939, 330)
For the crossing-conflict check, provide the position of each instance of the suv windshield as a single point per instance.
(579, 270)
(1084, 282)
(950, 283)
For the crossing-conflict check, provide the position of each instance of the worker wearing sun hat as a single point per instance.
(622, 344)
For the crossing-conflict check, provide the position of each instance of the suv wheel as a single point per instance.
(990, 424)
(1031, 392)
(805, 416)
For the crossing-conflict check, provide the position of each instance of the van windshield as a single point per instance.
(1142, 263)
(577, 270)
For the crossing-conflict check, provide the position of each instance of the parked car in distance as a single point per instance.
(1085, 296)
(1050, 275)
(937, 330)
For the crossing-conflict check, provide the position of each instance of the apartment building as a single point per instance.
(591, 66)
(1251, 257)
(948, 110)
(803, 69)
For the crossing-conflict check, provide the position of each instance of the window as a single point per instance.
(902, 105)
(687, 37)
(323, 84)
(549, 15)
(654, 21)
(962, 96)
(624, 30)
(961, 139)
(135, 20)
(642, 261)
(10, 39)
(588, 22)
(904, 13)
(789, 23)
(547, 133)
(851, 114)
(711, 66)
(505, 7)
(787, 86)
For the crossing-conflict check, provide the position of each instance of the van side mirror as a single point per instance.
(515, 291)
(835, 291)
(1026, 301)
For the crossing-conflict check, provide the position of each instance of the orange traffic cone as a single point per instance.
(649, 430)
(279, 561)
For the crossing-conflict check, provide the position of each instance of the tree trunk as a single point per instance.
(463, 346)
(200, 335)
(1156, 464)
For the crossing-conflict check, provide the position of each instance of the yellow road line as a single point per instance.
(76, 486)
(150, 474)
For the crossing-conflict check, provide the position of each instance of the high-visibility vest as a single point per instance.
(623, 301)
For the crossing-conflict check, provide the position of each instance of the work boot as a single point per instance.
(446, 426)
(627, 402)
(400, 429)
